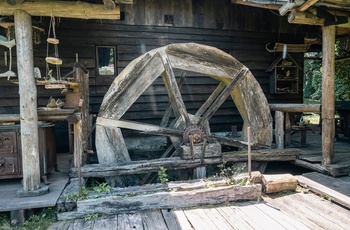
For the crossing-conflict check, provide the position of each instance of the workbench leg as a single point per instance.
(303, 137)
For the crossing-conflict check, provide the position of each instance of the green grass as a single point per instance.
(40, 221)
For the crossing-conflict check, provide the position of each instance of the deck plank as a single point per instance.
(130, 221)
(182, 220)
(260, 218)
(199, 220)
(331, 212)
(106, 223)
(153, 220)
(217, 218)
(301, 206)
(286, 221)
(231, 216)
(170, 219)
(337, 189)
(292, 210)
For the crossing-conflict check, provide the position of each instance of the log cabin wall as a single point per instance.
(239, 30)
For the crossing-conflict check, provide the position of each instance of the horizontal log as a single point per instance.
(307, 18)
(147, 166)
(279, 183)
(163, 200)
(43, 115)
(299, 108)
(62, 9)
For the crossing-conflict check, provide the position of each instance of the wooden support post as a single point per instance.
(78, 143)
(288, 131)
(82, 77)
(28, 101)
(279, 129)
(328, 99)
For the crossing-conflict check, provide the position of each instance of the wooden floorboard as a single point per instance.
(215, 216)
(171, 220)
(153, 220)
(338, 189)
(199, 220)
(231, 217)
(258, 217)
(9, 188)
(108, 223)
(182, 220)
(130, 221)
(286, 221)
(310, 210)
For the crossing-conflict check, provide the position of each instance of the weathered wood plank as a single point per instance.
(259, 218)
(299, 108)
(292, 209)
(130, 221)
(199, 219)
(214, 215)
(117, 205)
(279, 182)
(153, 220)
(231, 217)
(62, 9)
(145, 166)
(334, 188)
(280, 217)
(171, 220)
(107, 223)
(60, 225)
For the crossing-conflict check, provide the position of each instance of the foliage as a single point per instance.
(102, 187)
(39, 221)
(163, 177)
(313, 76)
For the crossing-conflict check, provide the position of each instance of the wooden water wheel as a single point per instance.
(234, 80)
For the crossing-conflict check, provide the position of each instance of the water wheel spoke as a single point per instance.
(210, 100)
(173, 90)
(168, 110)
(138, 126)
(217, 102)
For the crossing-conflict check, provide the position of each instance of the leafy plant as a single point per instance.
(90, 216)
(163, 177)
(102, 187)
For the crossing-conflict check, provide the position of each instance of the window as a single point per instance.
(106, 60)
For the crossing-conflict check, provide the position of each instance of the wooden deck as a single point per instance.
(291, 211)
(311, 154)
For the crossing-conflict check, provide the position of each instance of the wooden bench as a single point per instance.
(302, 129)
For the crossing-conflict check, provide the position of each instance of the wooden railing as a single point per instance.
(283, 127)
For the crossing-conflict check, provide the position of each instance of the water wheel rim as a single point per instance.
(193, 57)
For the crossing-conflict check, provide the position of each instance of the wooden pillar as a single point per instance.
(288, 130)
(279, 129)
(28, 101)
(82, 77)
(328, 99)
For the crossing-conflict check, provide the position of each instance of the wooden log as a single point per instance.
(182, 199)
(279, 183)
(288, 131)
(307, 4)
(28, 101)
(298, 108)
(146, 166)
(307, 18)
(279, 129)
(328, 96)
(62, 9)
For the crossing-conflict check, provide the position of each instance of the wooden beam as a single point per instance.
(271, 5)
(28, 101)
(306, 5)
(62, 9)
(298, 108)
(307, 18)
(279, 129)
(328, 98)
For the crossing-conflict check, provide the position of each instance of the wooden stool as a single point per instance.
(302, 130)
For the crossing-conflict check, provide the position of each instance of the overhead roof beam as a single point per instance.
(307, 5)
(63, 9)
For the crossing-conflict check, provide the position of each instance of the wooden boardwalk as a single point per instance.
(291, 211)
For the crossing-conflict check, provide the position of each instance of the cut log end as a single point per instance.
(279, 183)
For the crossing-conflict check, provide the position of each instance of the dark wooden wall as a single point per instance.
(241, 31)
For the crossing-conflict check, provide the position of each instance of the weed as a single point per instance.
(102, 187)
(163, 177)
(89, 216)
